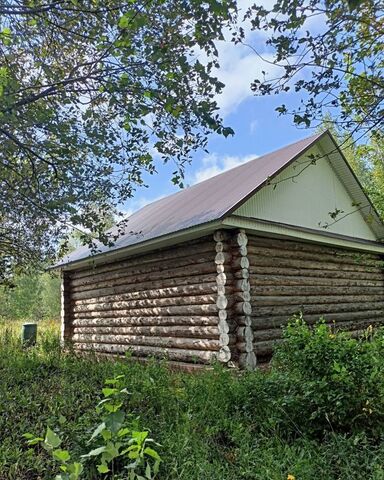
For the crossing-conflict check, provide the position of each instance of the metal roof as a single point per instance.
(210, 200)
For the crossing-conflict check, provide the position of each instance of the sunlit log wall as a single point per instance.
(286, 277)
(158, 304)
(222, 297)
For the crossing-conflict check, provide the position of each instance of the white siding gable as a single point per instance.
(304, 195)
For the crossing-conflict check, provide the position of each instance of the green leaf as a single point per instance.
(98, 430)
(353, 4)
(114, 421)
(114, 380)
(123, 432)
(148, 472)
(51, 439)
(95, 452)
(61, 455)
(31, 439)
(76, 469)
(102, 468)
(152, 453)
(62, 420)
(107, 392)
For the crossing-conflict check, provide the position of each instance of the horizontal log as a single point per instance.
(282, 290)
(257, 279)
(241, 285)
(319, 308)
(151, 303)
(206, 246)
(242, 308)
(184, 310)
(265, 348)
(300, 300)
(183, 355)
(245, 347)
(239, 251)
(195, 281)
(299, 246)
(172, 269)
(146, 321)
(169, 292)
(162, 342)
(271, 269)
(256, 261)
(157, 331)
(244, 296)
(260, 323)
(344, 258)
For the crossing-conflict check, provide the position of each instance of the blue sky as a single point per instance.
(258, 127)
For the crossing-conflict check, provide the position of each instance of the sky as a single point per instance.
(258, 127)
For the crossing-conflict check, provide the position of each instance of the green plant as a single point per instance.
(328, 380)
(117, 440)
(52, 442)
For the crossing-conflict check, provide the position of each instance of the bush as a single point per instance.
(326, 381)
(217, 424)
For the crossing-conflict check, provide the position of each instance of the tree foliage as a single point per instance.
(329, 52)
(90, 91)
(366, 160)
(33, 297)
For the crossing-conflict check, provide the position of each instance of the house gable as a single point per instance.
(307, 194)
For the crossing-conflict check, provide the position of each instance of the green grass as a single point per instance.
(216, 425)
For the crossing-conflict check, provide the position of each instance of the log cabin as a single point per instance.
(212, 272)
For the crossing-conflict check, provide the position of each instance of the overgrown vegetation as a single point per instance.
(31, 297)
(318, 413)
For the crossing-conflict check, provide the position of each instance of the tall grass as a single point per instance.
(214, 425)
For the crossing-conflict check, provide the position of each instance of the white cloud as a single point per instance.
(253, 126)
(213, 164)
(240, 65)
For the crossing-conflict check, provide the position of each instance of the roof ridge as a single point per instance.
(159, 200)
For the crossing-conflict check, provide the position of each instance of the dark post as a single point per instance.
(29, 334)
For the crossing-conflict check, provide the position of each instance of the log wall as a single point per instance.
(160, 304)
(287, 277)
(222, 297)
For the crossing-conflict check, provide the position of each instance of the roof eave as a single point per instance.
(142, 247)
(270, 228)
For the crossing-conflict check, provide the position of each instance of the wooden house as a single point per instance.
(215, 270)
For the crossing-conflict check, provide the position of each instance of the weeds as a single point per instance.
(215, 425)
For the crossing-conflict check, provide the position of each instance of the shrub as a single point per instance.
(120, 449)
(323, 380)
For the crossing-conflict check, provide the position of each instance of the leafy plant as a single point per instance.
(328, 380)
(116, 441)
(52, 442)
(334, 62)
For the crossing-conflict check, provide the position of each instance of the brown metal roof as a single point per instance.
(210, 200)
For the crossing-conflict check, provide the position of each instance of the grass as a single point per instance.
(214, 425)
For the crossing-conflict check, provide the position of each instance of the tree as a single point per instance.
(330, 52)
(90, 91)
